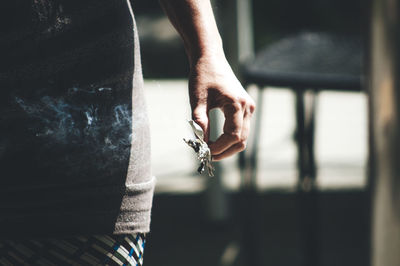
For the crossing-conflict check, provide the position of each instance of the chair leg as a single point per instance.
(305, 119)
(310, 135)
(307, 194)
(300, 135)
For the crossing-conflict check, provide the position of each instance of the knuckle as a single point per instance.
(236, 106)
(197, 113)
(199, 121)
(252, 107)
(235, 137)
(242, 145)
(199, 118)
(242, 102)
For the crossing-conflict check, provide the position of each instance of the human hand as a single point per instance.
(212, 84)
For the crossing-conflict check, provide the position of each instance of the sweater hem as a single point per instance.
(130, 215)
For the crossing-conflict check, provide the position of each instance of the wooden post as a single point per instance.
(236, 26)
(245, 30)
(385, 131)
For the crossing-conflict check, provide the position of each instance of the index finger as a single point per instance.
(232, 129)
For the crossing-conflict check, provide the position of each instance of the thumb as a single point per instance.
(200, 116)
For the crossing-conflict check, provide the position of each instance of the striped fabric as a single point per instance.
(80, 250)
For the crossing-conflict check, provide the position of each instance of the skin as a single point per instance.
(212, 83)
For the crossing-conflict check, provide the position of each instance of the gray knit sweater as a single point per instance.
(74, 135)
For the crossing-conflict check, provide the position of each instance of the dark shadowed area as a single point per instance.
(279, 227)
(182, 236)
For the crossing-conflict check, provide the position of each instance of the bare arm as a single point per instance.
(212, 83)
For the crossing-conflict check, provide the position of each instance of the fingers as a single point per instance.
(238, 147)
(200, 116)
(232, 129)
(236, 129)
(237, 107)
(241, 144)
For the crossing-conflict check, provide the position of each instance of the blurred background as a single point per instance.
(299, 195)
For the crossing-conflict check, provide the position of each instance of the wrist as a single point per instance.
(205, 51)
(206, 59)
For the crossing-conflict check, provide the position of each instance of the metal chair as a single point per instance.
(306, 63)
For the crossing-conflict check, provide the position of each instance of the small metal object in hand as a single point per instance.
(201, 148)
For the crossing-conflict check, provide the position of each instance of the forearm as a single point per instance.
(194, 20)
(212, 83)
